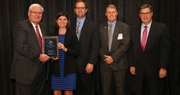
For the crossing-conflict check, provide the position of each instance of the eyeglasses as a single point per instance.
(40, 13)
(147, 13)
(80, 8)
(113, 12)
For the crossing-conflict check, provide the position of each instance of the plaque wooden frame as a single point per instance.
(49, 46)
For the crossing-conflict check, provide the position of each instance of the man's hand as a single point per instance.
(89, 68)
(43, 58)
(54, 58)
(162, 72)
(108, 59)
(132, 70)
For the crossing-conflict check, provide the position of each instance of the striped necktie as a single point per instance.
(78, 28)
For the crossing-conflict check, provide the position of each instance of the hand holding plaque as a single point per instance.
(49, 46)
(61, 46)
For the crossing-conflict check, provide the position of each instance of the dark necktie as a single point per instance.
(110, 36)
(78, 30)
(144, 37)
(39, 37)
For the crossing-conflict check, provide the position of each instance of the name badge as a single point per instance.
(120, 36)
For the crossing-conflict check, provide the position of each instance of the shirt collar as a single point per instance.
(81, 21)
(148, 25)
(111, 23)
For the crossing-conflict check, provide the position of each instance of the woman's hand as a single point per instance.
(61, 46)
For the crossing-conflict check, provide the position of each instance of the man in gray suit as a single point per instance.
(114, 41)
(29, 64)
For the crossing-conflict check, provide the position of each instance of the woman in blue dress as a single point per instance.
(64, 67)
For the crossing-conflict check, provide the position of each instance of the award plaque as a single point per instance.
(49, 46)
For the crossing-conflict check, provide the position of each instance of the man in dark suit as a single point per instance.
(149, 52)
(88, 36)
(114, 43)
(29, 68)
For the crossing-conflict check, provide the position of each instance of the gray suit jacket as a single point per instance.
(26, 52)
(119, 45)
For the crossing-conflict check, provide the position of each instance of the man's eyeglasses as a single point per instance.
(40, 13)
(80, 8)
(147, 13)
(113, 12)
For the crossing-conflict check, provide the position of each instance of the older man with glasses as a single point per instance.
(29, 64)
(149, 52)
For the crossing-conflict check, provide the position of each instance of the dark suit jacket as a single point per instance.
(89, 44)
(26, 52)
(156, 53)
(119, 46)
(70, 62)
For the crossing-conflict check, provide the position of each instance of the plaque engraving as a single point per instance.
(49, 46)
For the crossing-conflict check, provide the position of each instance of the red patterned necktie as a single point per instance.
(39, 37)
(144, 36)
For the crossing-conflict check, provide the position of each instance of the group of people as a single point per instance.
(143, 49)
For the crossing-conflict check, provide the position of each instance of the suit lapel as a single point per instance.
(151, 35)
(105, 33)
(73, 25)
(117, 30)
(139, 36)
(83, 30)
(33, 33)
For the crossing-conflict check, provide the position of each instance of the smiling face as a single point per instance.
(146, 15)
(111, 14)
(35, 14)
(80, 10)
(62, 21)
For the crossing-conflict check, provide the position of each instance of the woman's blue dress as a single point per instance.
(61, 82)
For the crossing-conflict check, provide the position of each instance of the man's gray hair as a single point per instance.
(36, 5)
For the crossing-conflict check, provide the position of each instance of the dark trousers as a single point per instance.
(36, 87)
(113, 79)
(85, 84)
(147, 86)
(47, 89)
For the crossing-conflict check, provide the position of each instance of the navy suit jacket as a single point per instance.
(26, 52)
(89, 44)
(156, 53)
